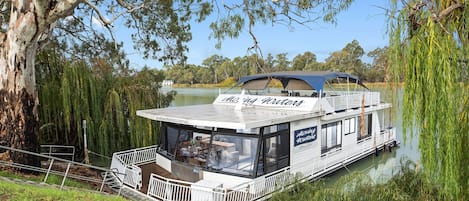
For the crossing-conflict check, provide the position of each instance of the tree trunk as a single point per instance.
(28, 30)
(18, 97)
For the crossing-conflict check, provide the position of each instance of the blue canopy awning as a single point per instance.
(314, 79)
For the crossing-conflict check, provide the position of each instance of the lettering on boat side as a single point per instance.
(281, 101)
(305, 135)
(263, 101)
(235, 99)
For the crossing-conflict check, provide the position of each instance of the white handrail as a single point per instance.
(121, 160)
(133, 177)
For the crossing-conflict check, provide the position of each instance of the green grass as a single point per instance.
(13, 191)
(51, 179)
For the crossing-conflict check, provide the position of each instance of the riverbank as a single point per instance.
(19, 189)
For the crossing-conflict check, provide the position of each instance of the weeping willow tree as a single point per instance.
(429, 52)
(72, 91)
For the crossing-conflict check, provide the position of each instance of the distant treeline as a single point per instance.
(216, 68)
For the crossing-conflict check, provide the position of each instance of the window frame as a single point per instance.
(163, 148)
(325, 129)
(368, 128)
(351, 127)
(281, 134)
(242, 135)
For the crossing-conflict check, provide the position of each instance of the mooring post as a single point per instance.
(85, 146)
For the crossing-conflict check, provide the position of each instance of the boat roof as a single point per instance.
(314, 79)
(224, 116)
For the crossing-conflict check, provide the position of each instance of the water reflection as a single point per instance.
(378, 167)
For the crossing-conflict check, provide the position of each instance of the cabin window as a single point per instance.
(275, 149)
(234, 154)
(364, 128)
(331, 136)
(184, 143)
(349, 126)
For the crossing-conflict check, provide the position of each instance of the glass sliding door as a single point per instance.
(275, 149)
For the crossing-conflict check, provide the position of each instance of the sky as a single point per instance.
(364, 21)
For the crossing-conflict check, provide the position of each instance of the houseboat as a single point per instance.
(281, 128)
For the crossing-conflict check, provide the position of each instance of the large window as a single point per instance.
(331, 136)
(275, 149)
(364, 128)
(233, 154)
(182, 142)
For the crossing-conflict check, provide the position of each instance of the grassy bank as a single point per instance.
(51, 179)
(14, 191)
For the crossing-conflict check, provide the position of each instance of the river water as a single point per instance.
(379, 167)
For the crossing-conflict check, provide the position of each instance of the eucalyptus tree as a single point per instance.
(304, 61)
(242, 67)
(269, 63)
(226, 70)
(429, 47)
(281, 62)
(347, 60)
(379, 67)
(213, 63)
(204, 75)
(160, 30)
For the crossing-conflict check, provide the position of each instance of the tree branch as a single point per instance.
(108, 23)
(104, 20)
(448, 10)
(62, 9)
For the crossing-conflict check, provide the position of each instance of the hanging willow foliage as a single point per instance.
(70, 92)
(429, 52)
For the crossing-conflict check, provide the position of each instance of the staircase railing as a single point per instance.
(124, 161)
(133, 177)
(64, 151)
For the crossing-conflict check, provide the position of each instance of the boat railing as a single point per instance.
(170, 189)
(137, 156)
(133, 177)
(174, 190)
(123, 159)
(268, 184)
(343, 100)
